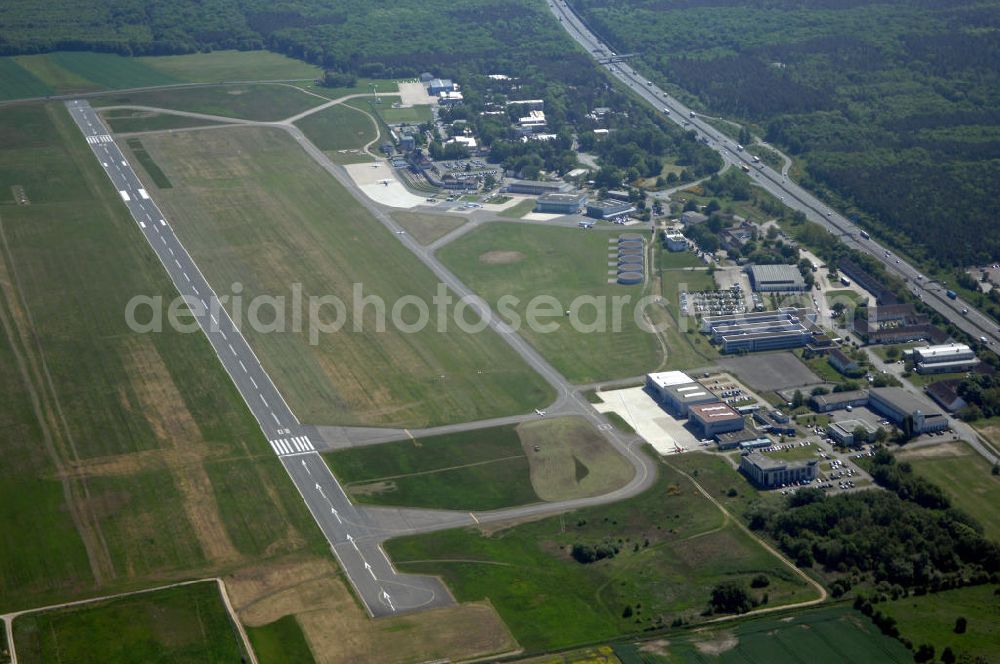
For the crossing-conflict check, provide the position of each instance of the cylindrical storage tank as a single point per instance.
(630, 245)
(629, 267)
(630, 251)
(626, 237)
(630, 278)
(630, 260)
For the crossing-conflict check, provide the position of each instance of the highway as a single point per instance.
(974, 322)
(355, 534)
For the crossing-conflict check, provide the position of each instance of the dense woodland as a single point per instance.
(892, 105)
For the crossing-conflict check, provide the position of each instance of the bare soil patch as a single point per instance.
(725, 642)
(501, 257)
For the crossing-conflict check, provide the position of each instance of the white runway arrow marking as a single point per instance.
(336, 515)
(304, 465)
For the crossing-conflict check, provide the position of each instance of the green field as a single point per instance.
(519, 209)
(124, 120)
(280, 642)
(670, 260)
(218, 66)
(476, 470)
(255, 209)
(426, 228)
(485, 469)
(183, 624)
(686, 346)
(16, 82)
(525, 262)
(339, 127)
(248, 102)
(828, 635)
(674, 547)
(128, 458)
(965, 477)
(410, 115)
(931, 619)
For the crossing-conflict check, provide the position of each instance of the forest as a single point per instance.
(890, 106)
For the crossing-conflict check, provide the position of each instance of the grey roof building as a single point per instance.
(771, 473)
(557, 203)
(776, 278)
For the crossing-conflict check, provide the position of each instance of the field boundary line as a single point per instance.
(438, 470)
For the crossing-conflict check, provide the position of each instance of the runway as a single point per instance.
(352, 536)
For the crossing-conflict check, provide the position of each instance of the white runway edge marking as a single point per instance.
(125, 196)
(143, 194)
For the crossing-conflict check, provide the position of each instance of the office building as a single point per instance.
(843, 432)
(769, 473)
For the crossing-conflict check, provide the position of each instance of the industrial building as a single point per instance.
(691, 218)
(714, 418)
(557, 203)
(679, 398)
(842, 432)
(763, 330)
(608, 209)
(674, 241)
(774, 421)
(769, 473)
(776, 278)
(438, 85)
(895, 404)
(895, 324)
(534, 187)
(842, 362)
(748, 439)
(946, 358)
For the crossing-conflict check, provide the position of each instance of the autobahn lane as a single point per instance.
(974, 322)
(383, 590)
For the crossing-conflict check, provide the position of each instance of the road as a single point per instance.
(355, 534)
(974, 323)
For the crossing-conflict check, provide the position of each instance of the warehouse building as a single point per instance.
(555, 203)
(895, 404)
(776, 278)
(608, 209)
(438, 85)
(946, 358)
(768, 473)
(825, 403)
(714, 418)
(748, 439)
(657, 383)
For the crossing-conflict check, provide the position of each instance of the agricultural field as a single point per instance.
(525, 262)
(128, 459)
(254, 209)
(426, 228)
(123, 120)
(931, 619)
(65, 72)
(485, 469)
(686, 347)
(966, 479)
(183, 624)
(303, 611)
(828, 635)
(337, 128)
(247, 102)
(670, 547)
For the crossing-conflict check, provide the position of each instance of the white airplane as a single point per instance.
(385, 181)
(540, 413)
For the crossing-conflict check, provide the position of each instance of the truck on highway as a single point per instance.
(746, 169)
(756, 159)
(952, 294)
(865, 235)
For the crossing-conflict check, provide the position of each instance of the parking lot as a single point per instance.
(714, 303)
(770, 371)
